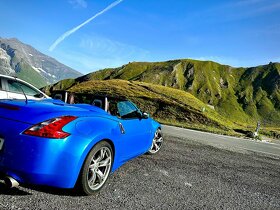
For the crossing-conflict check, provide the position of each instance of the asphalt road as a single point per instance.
(226, 142)
(194, 170)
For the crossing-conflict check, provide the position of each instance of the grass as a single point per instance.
(243, 95)
(167, 105)
(239, 97)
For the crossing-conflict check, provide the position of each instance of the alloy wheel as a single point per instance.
(157, 142)
(99, 168)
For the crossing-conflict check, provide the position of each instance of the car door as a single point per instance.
(137, 130)
(3, 93)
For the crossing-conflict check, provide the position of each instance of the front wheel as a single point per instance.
(157, 142)
(96, 168)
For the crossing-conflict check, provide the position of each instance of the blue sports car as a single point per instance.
(49, 142)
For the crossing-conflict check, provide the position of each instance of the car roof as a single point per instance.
(8, 77)
(15, 77)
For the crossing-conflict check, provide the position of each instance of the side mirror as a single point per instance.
(145, 115)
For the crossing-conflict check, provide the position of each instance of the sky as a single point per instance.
(233, 32)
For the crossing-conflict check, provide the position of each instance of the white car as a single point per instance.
(14, 88)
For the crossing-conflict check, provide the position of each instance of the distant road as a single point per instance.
(224, 142)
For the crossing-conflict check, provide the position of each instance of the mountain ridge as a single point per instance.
(24, 61)
(241, 94)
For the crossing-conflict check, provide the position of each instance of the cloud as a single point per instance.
(268, 8)
(244, 62)
(237, 10)
(244, 3)
(110, 48)
(93, 52)
(253, 10)
(104, 52)
(78, 3)
(220, 59)
(73, 30)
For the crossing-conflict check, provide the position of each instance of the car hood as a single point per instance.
(34, 112)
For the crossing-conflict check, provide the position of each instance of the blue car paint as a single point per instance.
(57, 162)
(137, 139)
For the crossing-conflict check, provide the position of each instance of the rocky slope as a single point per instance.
(17, 58)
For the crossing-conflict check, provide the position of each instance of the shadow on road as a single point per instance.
(45, 189)
(53, 190)
(11, 191)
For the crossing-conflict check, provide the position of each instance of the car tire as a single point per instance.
(157, 142)
(96, 168)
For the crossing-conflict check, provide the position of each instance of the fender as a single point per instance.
(94, 130)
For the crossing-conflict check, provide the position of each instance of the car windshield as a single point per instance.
(127, 110)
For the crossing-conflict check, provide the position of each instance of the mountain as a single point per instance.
(182, 108)
(17, 58)
(243, 95)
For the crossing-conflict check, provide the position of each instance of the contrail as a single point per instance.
(68, 33)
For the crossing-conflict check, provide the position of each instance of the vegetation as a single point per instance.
(244, 95)
(28, 74)
(197, 94)
(167, 105)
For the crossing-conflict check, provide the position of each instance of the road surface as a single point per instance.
(225, 142)
(194, 170)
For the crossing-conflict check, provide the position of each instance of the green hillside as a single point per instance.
(234, 97)
(243, 95)
(167, 105)
(28, 74)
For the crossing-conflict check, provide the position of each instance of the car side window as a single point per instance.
(18, 87)
(58, 96)
(112, 108)
(1, 84)
(98, 103)
(127, 110)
